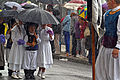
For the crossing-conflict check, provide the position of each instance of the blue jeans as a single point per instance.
(67, 41)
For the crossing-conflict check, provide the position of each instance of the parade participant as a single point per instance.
(108, 64)
(44, 58)
(16, 54)
(2, 61)
(11, 24)
(30, 55)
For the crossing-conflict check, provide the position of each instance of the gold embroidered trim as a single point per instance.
(113, 12)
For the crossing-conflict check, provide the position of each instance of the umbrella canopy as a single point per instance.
(30, 6)
(49, 1)
(38, 16)
(75, 4)
(83, 12)
(78, 1)
(28, 2)
(8, 13)
(11, 4)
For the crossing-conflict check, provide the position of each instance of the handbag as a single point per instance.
(87, 32)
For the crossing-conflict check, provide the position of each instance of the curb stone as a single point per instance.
(71, 59)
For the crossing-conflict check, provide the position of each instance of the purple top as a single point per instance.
(77, 30)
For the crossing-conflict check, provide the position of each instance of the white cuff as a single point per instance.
(118, 46)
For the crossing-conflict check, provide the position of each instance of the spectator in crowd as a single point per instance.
(66, 31)
(82, 26)
(77, 36)
(50, 9)
(74, 19)
(57, 31)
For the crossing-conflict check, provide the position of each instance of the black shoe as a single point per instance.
(0, 74)
(10, 72)
(27, 74)
(32, 77)
(32, 74)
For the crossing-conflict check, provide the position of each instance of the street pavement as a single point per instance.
(61, 70)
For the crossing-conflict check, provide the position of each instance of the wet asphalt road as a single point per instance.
(61, 70)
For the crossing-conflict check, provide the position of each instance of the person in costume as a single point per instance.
(16, 53)
(44, 58)
(2, 61)
(11, 24)
(108, 63)
(30, 55)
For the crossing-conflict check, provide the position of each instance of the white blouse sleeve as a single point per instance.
(38, 39)
(118, 33)
(26, 40)
(14, 35)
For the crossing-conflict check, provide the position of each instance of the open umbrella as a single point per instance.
(30, 6)
(75, 4)
(83, 12)
(72, 6)
(11, 4)
(8, 13)
(38, 16)
(78, 1)
(49, 1)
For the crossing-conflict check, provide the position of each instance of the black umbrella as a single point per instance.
(38, 16)
(29, 6)
(49, 1)
(8, 13)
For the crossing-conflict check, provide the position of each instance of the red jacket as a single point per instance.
(82, 29)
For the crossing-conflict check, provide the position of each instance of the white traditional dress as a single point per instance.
(16, 53)
(44, 58)
(107, 67)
